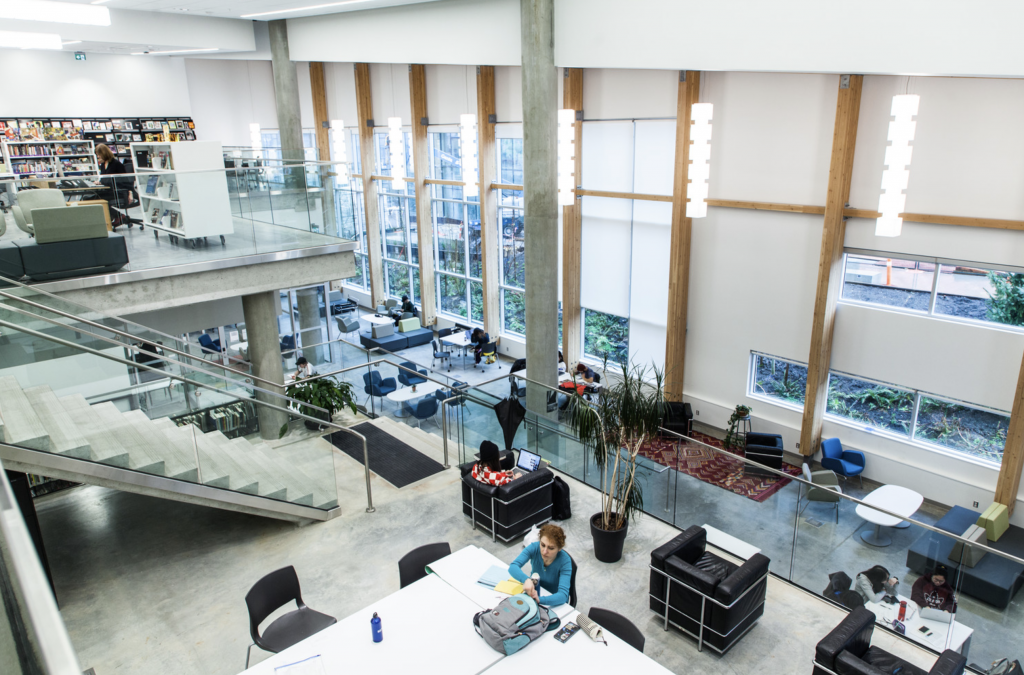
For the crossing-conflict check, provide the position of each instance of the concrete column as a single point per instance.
(540, 189)
(309, 324)
(286, 95)
(261, 310)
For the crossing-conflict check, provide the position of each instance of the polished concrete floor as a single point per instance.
(152, 586)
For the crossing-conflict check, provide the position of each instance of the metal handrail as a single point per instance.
(172, 376)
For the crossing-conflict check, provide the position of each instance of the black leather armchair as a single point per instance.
(709, 598)
(847, 650)
(511, 510)
(765, 449)
(678, 417)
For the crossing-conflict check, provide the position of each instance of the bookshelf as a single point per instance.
(50, 159)
(116, 132)
(234, 420)
(183, 190)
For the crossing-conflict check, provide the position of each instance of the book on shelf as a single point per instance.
(175, 219)
(151, 184)
(155, 214)
(137, 138)
(165, 218)
(173, 194)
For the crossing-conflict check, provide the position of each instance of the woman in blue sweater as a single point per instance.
(550, 566)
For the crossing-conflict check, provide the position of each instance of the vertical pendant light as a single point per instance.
(700, 156)
(897, 158)
(396, 141)
(566, 157)
(256, 140)
(339, 151)
(468, 145)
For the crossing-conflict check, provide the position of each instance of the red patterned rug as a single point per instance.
(715, 468)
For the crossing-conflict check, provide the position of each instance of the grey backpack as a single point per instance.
(514, 623)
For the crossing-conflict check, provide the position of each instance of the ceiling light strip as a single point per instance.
(396, 142)
(700, 157)
(339, 151)
(18, 40)
(55, 12)
(304, 9)
(470, 160)
(566, 157)
(893, 199)
(177, 51)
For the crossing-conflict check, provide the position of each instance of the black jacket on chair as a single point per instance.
(847, 650)
(764, 449)
(518, 505)
(735, 593)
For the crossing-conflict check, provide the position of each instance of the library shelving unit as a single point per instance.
(50, 159)
(183, 190)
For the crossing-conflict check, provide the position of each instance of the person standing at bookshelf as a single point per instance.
(117, 191)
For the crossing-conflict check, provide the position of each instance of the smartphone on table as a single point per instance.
(566, 632)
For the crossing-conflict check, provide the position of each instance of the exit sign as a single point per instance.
(79, 56)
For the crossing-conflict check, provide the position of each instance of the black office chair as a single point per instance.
(619, 626)
(268, 595)
(572, 582)
(412, 566)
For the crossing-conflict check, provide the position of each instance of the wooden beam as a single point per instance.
(830, 261)
(1008, 482)
(625, 195)
(442, 181)
(490, 236)
(572, 229)
(424, 221)
(407, 179)
(679, 254)
(321, 119)
(767, 206)
(505, 186)
(364, 106)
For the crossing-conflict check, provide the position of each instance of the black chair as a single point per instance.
(444, 332)
(619, 626)
(440, 354)
(412, 566)
(509, 511)
(268, 595)
(678, 417)
(572, 581)
(764, 449)
(847, 649)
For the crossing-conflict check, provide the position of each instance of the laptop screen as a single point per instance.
(528, 461)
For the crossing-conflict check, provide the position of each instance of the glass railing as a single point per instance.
(809, 531)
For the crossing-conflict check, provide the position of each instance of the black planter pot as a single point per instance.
(313, 426)
(607, 543)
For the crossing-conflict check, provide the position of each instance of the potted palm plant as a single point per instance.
(323, 393)
(627, 415)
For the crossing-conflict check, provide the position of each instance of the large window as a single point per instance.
(913, 416)
(350, 212)
(936, 287)
(513, 236)
(605, 336)
(396, 205)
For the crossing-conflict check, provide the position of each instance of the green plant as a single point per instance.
(1006, 300)
(732, 436)
(626, 415)
(323, 393)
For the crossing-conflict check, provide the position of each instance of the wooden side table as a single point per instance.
(106, 209)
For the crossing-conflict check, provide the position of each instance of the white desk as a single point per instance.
(893, 498)
(959, 640)
(379, 320)
(427, 628)
(406, 394)
(459, 341)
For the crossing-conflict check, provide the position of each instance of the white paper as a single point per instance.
(311, 666)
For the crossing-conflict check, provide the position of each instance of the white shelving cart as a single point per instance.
(188, 206)
(50, 159)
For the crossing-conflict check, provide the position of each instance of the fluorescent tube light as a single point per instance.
(396, 142)
(99, 2)
(16, 40)
(566, 157)
(56, 12)
(177, 51)
(340, 153)
(700, 154)
(303, 9)
(893, 199)
(71, 42)
(470, 161)
(256, 140)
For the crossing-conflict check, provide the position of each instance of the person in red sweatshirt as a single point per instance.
(934, 591)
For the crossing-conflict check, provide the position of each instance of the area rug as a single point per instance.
(715, 468)
(390, 458)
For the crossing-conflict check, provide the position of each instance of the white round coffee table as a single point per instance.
(406, 394)
(379, 320)
(893, 498)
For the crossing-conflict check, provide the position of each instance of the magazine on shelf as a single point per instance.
(151, 184)
(175, 216)
(155, 214)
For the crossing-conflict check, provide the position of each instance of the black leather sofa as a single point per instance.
(710, 598)
(515, 507)
(678, 417)
(847, 650)
(764, 449)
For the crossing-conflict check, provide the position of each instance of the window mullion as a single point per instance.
(913, 416)
(935, 289)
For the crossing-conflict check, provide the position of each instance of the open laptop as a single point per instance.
(528, 462)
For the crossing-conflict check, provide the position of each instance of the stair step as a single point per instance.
(270, 483)
(301, 488)
(177, 464)
(140, 457)
(65, 437)
(21, 424)
(103, 446)
(212, 451)
(211, 473)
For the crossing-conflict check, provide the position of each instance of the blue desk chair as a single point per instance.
(375, 385)
(407, 378)
(209, 345)
(288, 343)
(443, 394)
(845, 463)
(426, 408)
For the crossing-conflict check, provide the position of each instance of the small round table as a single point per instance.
(379, 320)
(406, 394)
(893, 498)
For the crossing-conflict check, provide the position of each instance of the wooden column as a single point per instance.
(572, 229)
(424, 221)
(364, 106)
(830, 273)
(679, 255)
(1013, 453)
(490, 239)
(322, 127)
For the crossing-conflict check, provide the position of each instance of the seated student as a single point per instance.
(550, 567)
(303, 369)
(584, 372)
(933, 594)
(875, 583)
(488, 469)
(407, 306)
(561, 362)
(480, 339)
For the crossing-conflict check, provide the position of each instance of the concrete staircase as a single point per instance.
(35, 418)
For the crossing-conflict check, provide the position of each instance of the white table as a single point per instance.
(893, 498)
(427, 629)
(379, 320)
(959, 639)
(406, 394)
(459, 341)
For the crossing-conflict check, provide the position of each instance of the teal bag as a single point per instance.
(516, 622)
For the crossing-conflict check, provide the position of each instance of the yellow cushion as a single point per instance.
(407, 325)
(995, 520)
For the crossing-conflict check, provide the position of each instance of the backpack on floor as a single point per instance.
(514, 623)
(561, 505)
(1005, 667)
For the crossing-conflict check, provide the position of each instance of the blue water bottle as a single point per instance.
(378, 635)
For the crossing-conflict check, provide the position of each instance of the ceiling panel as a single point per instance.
(236, 8)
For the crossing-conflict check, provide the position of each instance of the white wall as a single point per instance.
(341, 93)
(508, 93)
(627, 94)
(54, 84)
(389, 93)
(230, 95)
(197, 316)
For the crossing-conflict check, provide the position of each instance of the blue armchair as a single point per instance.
(407, 378)
(426, 408)
(375, 385)
(209, 345)
(845, 463)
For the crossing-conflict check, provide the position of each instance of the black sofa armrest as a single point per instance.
(767, 440)
(691, 575)
(482, 488)
(853, 635)
(848, 664)
(689, 546)
(749, 573)
(949, 663)
(521, 486)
